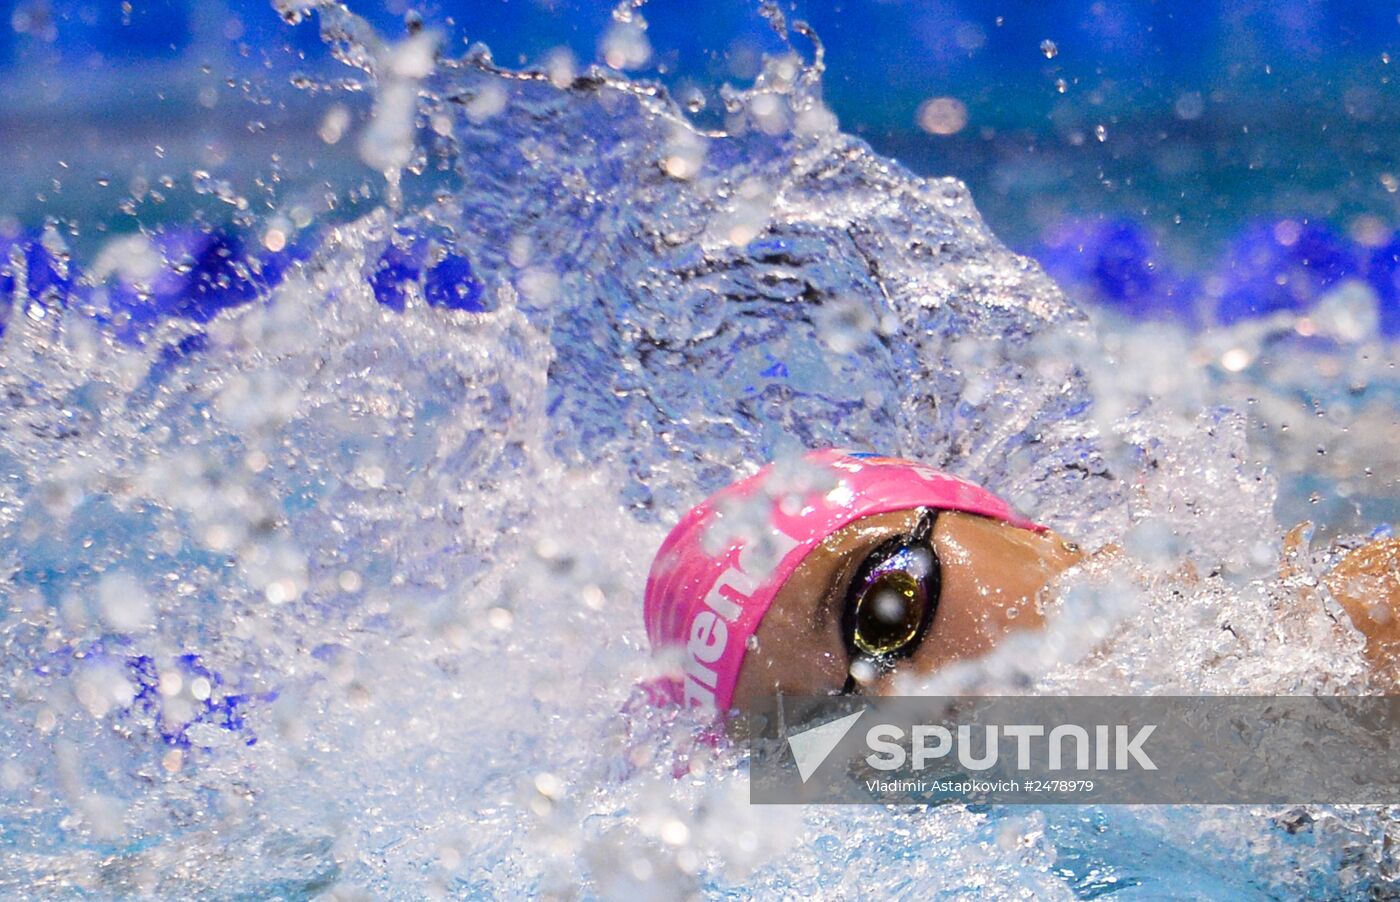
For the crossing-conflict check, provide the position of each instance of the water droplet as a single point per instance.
(1049, 48)
(942, 116)
(675, 833)
(863, 671)
(549, 786)
(1235, 360)
(123, 602)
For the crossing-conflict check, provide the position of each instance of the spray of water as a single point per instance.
(335, 591)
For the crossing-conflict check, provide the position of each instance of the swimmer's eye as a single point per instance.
(892, 600)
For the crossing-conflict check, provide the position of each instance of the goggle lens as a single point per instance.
(893, 598)
(890, 612)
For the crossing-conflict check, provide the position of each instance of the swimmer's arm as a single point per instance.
(1366, 583)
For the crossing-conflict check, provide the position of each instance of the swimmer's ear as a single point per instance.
(1297, 547)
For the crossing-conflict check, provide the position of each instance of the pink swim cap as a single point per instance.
(722, 565)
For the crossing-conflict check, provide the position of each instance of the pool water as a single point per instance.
(324, 535)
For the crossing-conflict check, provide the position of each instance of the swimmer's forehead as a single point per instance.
(870, 529)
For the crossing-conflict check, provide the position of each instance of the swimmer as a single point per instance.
(891, 568)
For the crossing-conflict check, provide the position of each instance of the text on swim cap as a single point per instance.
(708, 637)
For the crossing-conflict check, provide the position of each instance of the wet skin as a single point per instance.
(993, 577)
(1367, 584)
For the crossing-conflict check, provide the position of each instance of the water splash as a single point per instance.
(323, 564)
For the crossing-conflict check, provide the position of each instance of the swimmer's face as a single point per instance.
(989, 578)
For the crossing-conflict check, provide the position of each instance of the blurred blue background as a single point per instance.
(1199, 162)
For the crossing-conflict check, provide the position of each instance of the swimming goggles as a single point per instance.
(893, 597)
